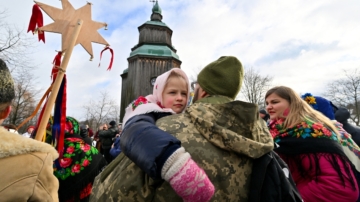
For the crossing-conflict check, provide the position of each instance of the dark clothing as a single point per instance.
(107, 155)
(147, 145)
(85, 135)
(116, 150)
(342, 115)
(269, 182)
(106, 137)
(77, 174)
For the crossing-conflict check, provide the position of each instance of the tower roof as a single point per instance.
(154, 50)
(156, 8)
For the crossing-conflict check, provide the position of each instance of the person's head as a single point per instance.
(221, 77)
(342, 115)
(320, 104)
(7, 91)
(83, 131)
(112, 123)
(171, 90)
(283, 102)
(30, 129)
(71, 127)
(263, 114)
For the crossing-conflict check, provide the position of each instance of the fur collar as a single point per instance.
(13, 144)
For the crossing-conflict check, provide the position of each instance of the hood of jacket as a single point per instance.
(13, 144)
(233, 126)
(342, 115)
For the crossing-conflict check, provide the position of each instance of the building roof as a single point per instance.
(158, 23)
(154, 50)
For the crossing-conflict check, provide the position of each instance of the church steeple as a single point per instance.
(153, 55)
(156, 8)
(156, 12)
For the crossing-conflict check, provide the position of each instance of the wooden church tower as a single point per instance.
(152, 56)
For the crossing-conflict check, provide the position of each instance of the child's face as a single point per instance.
(175, 94)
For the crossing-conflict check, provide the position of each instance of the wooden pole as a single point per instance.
(57, 83)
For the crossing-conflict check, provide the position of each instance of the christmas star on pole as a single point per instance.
(66, 18)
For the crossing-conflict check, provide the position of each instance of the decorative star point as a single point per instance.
(65, 20)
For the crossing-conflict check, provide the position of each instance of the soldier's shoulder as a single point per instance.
(171, 119)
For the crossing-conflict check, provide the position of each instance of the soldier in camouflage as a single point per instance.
(222, 135)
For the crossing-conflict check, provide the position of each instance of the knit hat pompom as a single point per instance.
(320, 104)
(222, 77)
(7, 90)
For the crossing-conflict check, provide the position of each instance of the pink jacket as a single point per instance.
(328, 187)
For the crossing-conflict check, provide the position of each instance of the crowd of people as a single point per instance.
(166, 149)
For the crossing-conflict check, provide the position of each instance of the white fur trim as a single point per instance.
(174, 156)
(143, 109)
(13, 144)
(176, 165)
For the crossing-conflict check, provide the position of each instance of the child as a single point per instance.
(156, 152)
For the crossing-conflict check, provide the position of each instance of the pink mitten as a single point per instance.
(187, 179)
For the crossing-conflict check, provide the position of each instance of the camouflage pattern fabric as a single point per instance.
(222, 138)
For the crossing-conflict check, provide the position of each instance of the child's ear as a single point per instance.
(5, 113)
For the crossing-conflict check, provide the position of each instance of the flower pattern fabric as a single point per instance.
(305, 129)
(141, 100)
(347, 141)
(75, 147)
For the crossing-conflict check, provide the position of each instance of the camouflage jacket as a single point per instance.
(222, 137)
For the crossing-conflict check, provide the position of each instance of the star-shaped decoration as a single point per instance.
(64, 23)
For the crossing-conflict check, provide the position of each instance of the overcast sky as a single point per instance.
(303, 44)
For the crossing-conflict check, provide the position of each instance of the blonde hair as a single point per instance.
(300, 110)
(174, 74)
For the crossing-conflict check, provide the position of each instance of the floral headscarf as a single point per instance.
(79, 165)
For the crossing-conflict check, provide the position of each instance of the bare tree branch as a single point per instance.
(100, 111)
(346, 93)
(15, 45)
(254, 86)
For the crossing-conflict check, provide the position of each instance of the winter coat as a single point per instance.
(26, 171)
(116, 150)
(147, 145)
(342, 115)
(328, 185)
(223, 138)
(106, 137)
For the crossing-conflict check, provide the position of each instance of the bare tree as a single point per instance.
(15, 45)
(26, 98)
(255, 86)
(346, 93)
(102, 110)
(15, 50)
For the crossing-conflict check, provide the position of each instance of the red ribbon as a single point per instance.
(57, 63)
(36, 20)
(112, 57)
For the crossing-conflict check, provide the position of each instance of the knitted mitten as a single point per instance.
(187, 179)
